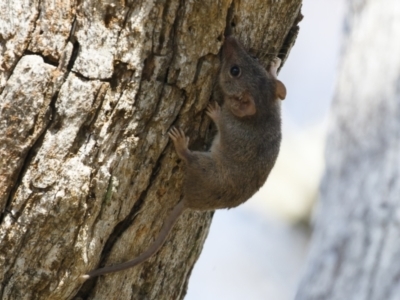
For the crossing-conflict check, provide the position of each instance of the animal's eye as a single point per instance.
(235, 71)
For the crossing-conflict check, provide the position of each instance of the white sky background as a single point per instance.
(252, 252)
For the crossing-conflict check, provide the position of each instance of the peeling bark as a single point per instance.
(355, 249)
(89, 90)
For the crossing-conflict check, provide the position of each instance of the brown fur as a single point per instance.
(244, 150)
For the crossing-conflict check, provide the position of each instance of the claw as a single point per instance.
(175, 133)
(181, 142)
(213, 111)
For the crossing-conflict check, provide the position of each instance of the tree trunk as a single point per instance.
(355, 248)
(89, 90)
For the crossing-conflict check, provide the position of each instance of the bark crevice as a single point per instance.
(88, 123)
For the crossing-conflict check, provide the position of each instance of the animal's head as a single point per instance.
(247, 86)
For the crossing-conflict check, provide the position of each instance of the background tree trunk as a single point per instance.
(355, 249)
(89, 90)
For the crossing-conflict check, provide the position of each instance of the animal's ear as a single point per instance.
(243, 107)
(280, 90)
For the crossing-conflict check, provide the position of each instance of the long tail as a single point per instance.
(166, 228)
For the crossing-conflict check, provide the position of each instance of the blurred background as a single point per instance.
(258, 250)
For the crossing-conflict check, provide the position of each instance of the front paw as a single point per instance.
(181, 142)
(213, 111)
(178, 137)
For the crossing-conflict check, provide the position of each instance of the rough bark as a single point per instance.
(89, 90)
(355, 248)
